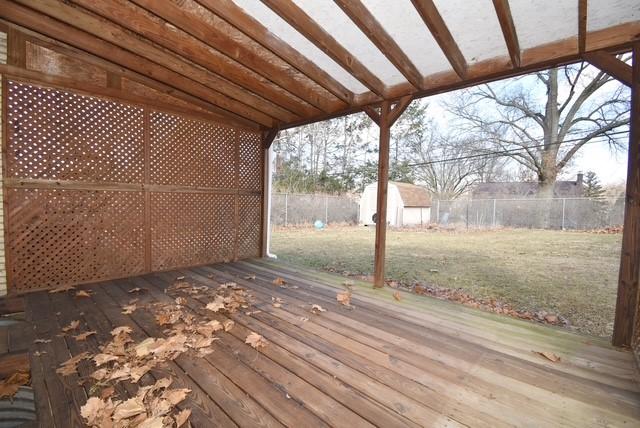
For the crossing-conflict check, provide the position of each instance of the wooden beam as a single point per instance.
(141, 50)
(306, 26)
(117, 70)
(252, 28)
(370, 26)
(269, 135)
(383, 184)
(430, 15)
(616, 39)
(508, 30)
(611, 65)
(582, 25)
(16, 49)
(217, 72)
(42, 24)
(219, 40)
(373, 114)
(36, 77)
(398, 108)
(627, 300)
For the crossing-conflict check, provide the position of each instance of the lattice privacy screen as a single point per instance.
(98, 189)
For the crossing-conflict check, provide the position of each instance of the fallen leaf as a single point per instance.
(129, 408)
(83, 336)
(250, 277)
(216, 305)
(9, 387)
(101, 359)
(344, 298)
(316, 309)
(228, 325)
(182, 417)
(97, 412)
(62, 289)
(82, 293)
(153, 422)
(107, 392)
(70, 366)
(279, 281)
(120, 330)
(256, 340)
(72, 326)
(144, 348)
(215, 324)
(181, 301)
(136, 290)
(175, 396)
(396, 295)
(100, 374)
(129, 309)
(180, 278)
(549, 355)
(42, 341)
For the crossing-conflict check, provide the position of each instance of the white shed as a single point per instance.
(407, 205)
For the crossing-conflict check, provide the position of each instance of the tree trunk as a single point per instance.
(549, 170)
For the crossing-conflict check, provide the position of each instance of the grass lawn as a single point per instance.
(572, 274)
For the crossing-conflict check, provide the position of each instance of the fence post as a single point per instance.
(438, 212)
(563, 207)
(286, 208)
(326, 209)
(494, 214)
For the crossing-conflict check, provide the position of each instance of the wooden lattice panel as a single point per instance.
(249, 207)
(191, 228)
(61, 237)
(250, 161)
(187, 152)
(59, 135)
(84, 198)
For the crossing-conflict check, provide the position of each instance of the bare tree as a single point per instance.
(447, 164)
(542, 121)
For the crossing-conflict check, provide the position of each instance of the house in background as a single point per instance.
(528, 189)
(407, 205)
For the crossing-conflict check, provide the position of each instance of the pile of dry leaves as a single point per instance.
(123, 359)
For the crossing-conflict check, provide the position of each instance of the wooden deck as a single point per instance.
(414, 362)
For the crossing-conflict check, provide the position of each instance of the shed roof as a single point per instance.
(280, 63)
(412, 195)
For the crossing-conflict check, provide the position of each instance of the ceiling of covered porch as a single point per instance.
(281, 63)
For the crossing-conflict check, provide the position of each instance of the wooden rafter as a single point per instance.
(112, 69)
(252, 28)
(217, 72)
(432, 18)
(219, 40)
(268, 136)
(306, 26)
(611, 65)
(508, 30)
(370, 26)
(65, 33)
(582, 25)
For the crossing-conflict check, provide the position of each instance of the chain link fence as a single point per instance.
(291, 209)
(561, 213)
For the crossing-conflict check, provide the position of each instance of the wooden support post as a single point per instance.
(383, 184)
(389, 113)
(627, 302)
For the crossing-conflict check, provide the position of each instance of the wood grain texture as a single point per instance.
(409, 363)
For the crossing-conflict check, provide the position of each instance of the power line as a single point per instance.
(507, 152)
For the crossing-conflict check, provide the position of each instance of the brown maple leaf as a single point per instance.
(82, 293)
(129, 309)
(316, 309)
(397, 296)
(83, 336)
(71, 326)
(548, 355)
(256, 340)
(9, 387)
(279, 281)
(344, 298)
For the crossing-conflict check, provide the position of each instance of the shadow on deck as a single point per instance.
(413, 362)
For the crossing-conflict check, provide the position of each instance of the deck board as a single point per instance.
(417, 362)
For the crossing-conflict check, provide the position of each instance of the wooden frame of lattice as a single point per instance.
(99, 189)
